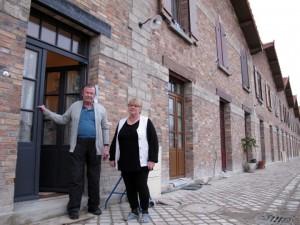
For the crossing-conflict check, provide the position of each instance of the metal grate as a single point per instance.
(270, 219)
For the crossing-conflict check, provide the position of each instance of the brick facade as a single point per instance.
(13, 16)
(137, 62)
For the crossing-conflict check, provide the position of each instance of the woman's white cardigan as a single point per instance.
(142, 139)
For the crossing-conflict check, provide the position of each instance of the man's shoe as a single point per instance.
(74, 215)
(96, 212)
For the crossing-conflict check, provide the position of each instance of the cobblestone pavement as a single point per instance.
(266, 197)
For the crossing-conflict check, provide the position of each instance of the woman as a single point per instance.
(134, 151)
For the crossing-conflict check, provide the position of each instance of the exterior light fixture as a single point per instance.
(154, 22)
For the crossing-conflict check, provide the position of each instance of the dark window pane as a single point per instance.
(52, 103)
(49, 133)
(73, 82)
(53, 83)
(64, 40)
(70, 99)
(75, 46)
(33, 27)
(78, 45)
(25, 131)
(48, 33)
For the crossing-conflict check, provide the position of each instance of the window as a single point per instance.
(54, 34)
(182, 18)
(276, 105)
(221, 48)
(258, 85)
(244, 70)
(268, 97)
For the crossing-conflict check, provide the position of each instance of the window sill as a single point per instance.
(224, 69)
(175, 27)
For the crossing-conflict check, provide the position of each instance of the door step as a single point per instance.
(65, 220)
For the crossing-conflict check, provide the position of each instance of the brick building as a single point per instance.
(204, 77)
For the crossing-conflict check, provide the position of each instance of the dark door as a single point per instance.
(26, 186)
(262, 139)
(176, 131)
(62, 88)
(278, 144)
(222, 134)
(272, 144)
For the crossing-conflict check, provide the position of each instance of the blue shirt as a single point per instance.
(87, 126)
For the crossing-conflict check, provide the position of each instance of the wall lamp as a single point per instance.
(4, 72)
(154, 22)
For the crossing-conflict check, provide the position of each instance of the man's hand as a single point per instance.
(41, 107)
(150, 165)
(112, 163)
(105, 153)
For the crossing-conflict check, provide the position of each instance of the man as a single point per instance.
(89, 138)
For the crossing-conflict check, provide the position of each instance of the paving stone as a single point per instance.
(237, 200)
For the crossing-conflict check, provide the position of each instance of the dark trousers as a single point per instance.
(137, 188)
(85, 152)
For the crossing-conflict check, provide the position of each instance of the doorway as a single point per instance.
(222, 135)
(176, 129)
(272, 144)
(262, 139)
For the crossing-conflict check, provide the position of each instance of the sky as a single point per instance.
(279, 21)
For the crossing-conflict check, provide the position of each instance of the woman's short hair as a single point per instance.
(135, 101)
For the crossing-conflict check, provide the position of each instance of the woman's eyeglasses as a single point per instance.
(133, 105)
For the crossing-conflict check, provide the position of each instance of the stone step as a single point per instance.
(64, 220)
(32, 212)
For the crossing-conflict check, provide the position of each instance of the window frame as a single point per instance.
(245, 70)
(258, 85)
(167, 9)
(222, 54)
(83, 51)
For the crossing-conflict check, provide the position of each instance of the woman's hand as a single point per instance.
(150, 165)
(105, 153)
(112, 163)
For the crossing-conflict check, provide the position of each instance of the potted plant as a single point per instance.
(248, 143)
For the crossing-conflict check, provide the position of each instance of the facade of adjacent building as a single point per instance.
(204, 77)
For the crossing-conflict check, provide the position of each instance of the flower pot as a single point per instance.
(251, 167)
(261, 164)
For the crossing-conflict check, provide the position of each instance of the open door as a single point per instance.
(26, 184)
(62, 88)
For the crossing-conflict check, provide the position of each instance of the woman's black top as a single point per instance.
(129, 148)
